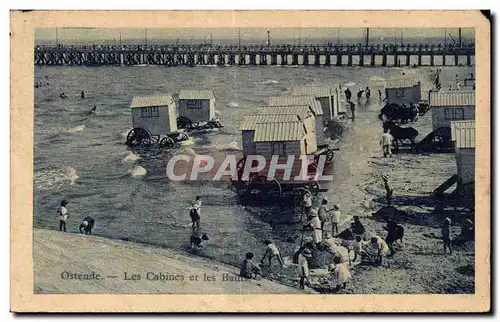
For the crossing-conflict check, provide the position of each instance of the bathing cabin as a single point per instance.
(451, 106)
(327, 96)
(154, 113)
(198, 106)
(403, 91)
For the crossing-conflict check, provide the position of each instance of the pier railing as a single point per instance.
(204, 54)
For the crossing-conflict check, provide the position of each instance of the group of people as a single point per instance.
(62, 214)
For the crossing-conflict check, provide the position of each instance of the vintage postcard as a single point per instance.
(187, 161)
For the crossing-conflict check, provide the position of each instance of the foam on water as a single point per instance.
(138, 172)
(233, 145)
(348, 84)
(130, 157)
(186, 142)
(233, 104)
(217, 112)
(55, 178)
(78, 128)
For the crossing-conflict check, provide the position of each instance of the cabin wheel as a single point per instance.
(329, 156)
(182, 137)
(167, 142)
(267, 186)
(138, 136)
(209, 126)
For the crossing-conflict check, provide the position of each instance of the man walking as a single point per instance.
(386, 142)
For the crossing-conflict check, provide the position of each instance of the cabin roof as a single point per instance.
(456, 98)
(250, 121)
(283, 131)
(301, 111)
(292, 100)
(403, 82)
(151, 100)
(196, 95)
(464, 134)
(315, 90)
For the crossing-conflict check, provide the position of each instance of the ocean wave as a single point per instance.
(377, 79)
(269, 82)
(55, 178)
(348, 84)
(138, 172)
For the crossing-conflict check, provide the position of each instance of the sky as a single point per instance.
(67, 35)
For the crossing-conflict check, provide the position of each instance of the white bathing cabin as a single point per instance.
(198, 106)
(451, 106)
(403, 91)
(301, 100)
(463, 133)
(155, 113)
(327, 96)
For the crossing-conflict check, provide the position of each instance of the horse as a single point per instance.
(401, 133)
(396, 112)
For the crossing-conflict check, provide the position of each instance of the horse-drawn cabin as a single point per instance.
(154, 113)
(451, 106)
(403, 91)
(292, 135)
(301, 100)
(327, 96)
(463, 133)
(196, 107)
(153, 119)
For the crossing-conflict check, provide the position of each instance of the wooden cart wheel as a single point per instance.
(184, 122)
(329, 156)
(167, 142)
(182, 137)
(138, 136)
(261, 183)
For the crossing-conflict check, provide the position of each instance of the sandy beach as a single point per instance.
(64, 263)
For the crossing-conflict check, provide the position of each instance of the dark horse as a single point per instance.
(401, 134)
(395, 112)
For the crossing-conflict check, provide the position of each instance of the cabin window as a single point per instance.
(192, 104)
(459, 114)
(147, 112)
(278, 148)
(400, 92)
(448, 114)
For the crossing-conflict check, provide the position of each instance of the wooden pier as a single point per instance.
(253, 55)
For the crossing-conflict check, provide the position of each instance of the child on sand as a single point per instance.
(446, 233)
(340, 273)
(63, 215)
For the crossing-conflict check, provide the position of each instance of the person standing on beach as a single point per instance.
(303, 268)
(388, 190)
(348, 95)
(195, 213)
(315, 224)
(386, 142)
(307, 203)
(353, 109)
(63, 215)
(379, 95)
(335, 219)
(446, 234)
(392, 232)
